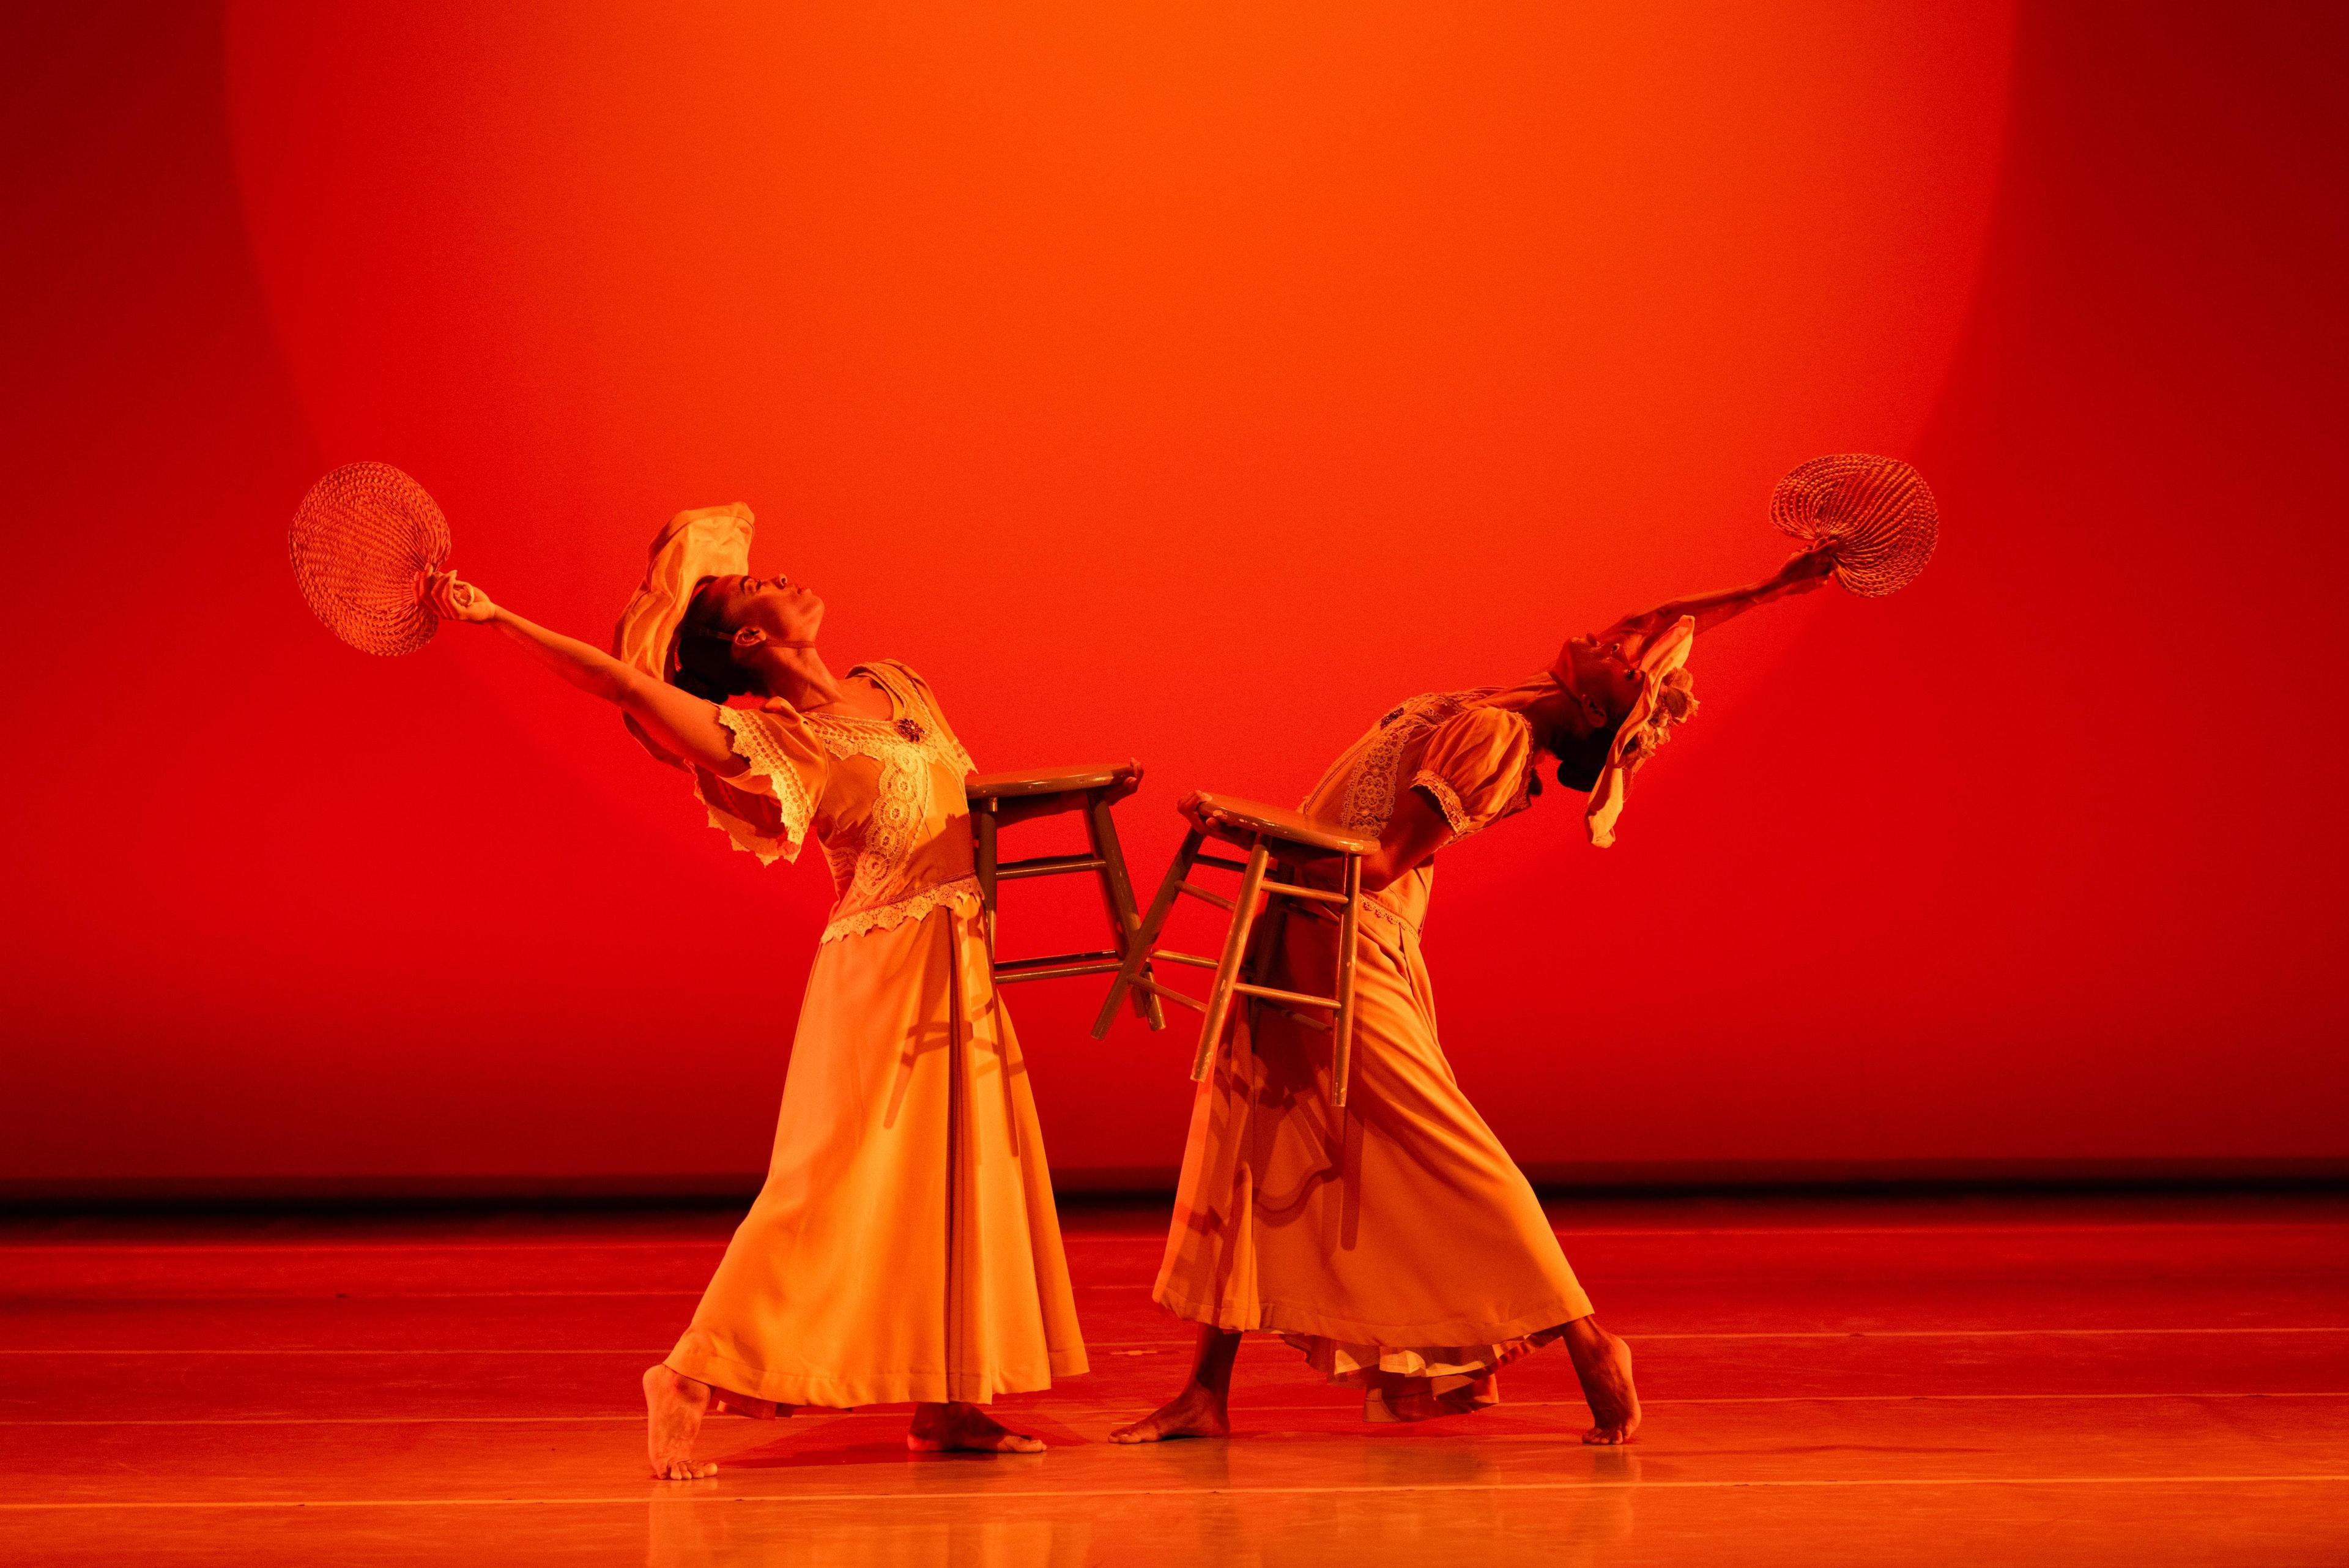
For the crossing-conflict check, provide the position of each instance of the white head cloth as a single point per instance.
(709, 541)
(1667, 698)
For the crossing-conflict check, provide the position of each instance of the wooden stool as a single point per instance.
(1106, 861)
(1280, 840)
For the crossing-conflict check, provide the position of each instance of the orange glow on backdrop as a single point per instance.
(1191, 382)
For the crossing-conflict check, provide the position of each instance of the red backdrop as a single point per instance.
(1190, 383)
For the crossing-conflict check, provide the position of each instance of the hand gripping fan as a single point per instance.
(364, 540)
(1874, 516)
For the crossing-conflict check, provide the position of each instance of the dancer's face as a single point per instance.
(1596, 687)
(784, 609)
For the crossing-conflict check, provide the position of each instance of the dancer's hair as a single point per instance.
(1580, 761)
(705, 649)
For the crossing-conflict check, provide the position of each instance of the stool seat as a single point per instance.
(1238, 821)
(1048, 781)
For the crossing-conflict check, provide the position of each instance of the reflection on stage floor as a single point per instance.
(2148, 1380)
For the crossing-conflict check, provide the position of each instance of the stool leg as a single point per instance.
(1227, 972)
(1117, 895)
(1341, 1037)
(1146, 940)
(983, 850)
(1264, 943)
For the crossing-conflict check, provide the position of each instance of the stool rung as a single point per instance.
(1240, 866)
(1274, 993)
(1291, 890)
(1323, 1024)
(1057, 966)
(1170, 993)
(1047, 866)
(1217, 899)
(1197, 960)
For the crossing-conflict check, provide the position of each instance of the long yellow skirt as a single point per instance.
(1394, 1243)
(905, 1246)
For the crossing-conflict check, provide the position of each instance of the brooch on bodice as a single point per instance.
(911, 730)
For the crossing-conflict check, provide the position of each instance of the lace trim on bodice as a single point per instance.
(870, 856)
(911, 908)
(1371, 793)
(910, 749)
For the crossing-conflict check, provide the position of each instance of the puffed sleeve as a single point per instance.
(1478, 768)
(767, 807)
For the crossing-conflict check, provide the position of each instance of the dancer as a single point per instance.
(1394, 1243)
(905, 1246)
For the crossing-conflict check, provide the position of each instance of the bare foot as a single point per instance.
(1603, 1363)
(966, 1429)
(1196, 1412)
(674, 1405)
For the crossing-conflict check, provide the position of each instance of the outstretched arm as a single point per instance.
(679, 721)
(1804, 570)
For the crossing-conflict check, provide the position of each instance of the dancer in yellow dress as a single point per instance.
(905, 1246)
(1395, 1243)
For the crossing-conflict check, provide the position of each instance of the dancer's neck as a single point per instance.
(799, 676)
(1549, 704)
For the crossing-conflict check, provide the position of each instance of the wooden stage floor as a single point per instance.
(2061, 1381)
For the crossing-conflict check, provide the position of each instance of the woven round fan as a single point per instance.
(364, 541)
(1874, 515)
